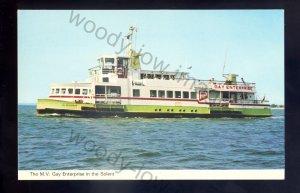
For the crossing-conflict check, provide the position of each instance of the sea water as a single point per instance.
(57, 142)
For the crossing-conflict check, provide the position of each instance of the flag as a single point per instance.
(135, 63)
(263, 99)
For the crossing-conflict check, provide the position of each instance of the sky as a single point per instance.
(53, 48)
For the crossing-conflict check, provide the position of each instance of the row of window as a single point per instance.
(167, 94)
(136, 92)
(102, 90)
(76, 91)
(157, 76)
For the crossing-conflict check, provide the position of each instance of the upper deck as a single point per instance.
(111, 68)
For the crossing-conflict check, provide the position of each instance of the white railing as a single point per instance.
(106, 71)
(112, 95)
(112, 98)
(218, 100)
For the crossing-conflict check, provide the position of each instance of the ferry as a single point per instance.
(118, 87)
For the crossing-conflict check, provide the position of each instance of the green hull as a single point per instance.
(45, 106)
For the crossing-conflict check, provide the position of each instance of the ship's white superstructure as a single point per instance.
(119, 80)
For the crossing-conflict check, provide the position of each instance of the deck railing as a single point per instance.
(218, 100)
(112, 95)
(106, 71)
(108, 98)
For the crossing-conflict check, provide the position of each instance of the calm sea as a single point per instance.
(54, 142)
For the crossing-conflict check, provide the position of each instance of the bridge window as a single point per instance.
(122, 61)
(153, 93)
(185, 94)
(161, 94)
(158, 76)
(57, 91)
(143, 76)
(63, 91)
(77, 91)
(119, 61)
(150, 76)
(193, 95)
(170, 94)
(84, 91)
(136, 92)
(177, 94)
(70, 91)
(109, 60)
(100, 90)
(53, 90)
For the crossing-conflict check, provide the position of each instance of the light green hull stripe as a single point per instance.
(166, 109)
(246, 111)
(58, 104)
(256, 112)
(65, 105)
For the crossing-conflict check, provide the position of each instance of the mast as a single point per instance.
(129, 39)
(130, 54)
(224, 75)
(134, 57)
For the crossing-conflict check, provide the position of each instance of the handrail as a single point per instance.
(109, 95)
(218, 100)
(106, 71)
(219, 81)
(206, 81)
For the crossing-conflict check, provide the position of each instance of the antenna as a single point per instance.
(224, 63)
(135, 41)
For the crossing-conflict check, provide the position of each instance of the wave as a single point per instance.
(277, 117)
(48, 115)
(57, 115)
(149, 154)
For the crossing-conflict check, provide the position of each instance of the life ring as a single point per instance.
(202, 96)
